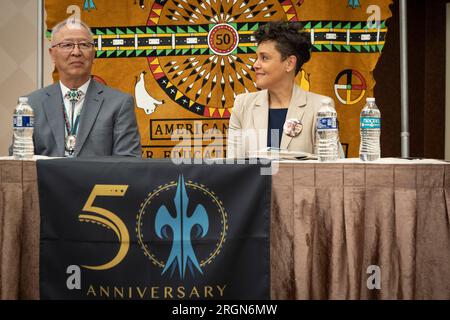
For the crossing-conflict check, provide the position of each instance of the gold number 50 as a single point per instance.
(107, 219)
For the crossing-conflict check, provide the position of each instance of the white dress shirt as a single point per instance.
(68, 105)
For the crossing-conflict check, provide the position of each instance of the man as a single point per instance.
(78, 116)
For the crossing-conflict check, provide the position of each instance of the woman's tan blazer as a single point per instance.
(247, 132)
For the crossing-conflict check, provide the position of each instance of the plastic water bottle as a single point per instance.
(23, 124)
(327, 132)
(370, 129)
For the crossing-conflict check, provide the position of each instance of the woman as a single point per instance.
(281, 115)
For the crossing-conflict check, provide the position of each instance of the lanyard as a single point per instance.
(71, 128)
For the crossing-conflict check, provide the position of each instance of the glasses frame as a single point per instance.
(73, 45)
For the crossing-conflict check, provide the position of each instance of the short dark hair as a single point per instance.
(290, 39)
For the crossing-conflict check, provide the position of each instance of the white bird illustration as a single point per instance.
(143, 99)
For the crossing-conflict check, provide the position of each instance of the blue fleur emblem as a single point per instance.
(182, 254)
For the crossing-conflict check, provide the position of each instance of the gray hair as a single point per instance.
(71, 22)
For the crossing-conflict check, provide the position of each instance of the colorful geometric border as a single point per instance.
(154, 41)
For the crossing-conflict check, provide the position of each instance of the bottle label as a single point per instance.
(370, 123)
(326, 123)
(23, 121)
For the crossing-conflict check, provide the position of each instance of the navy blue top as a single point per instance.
(277, 117)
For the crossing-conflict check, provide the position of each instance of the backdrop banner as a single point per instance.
(185, 61)
(150, 229)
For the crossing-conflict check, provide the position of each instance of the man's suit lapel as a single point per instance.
(261, 118)
(53, 109)
(91, 107)
(295, 111)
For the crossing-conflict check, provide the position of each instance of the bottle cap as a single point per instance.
(23, 99)
(371, 99)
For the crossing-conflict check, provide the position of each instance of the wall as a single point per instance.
(447, 88)
(18, 60)
(426, 63)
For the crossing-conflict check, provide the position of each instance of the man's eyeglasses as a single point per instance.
(69, 46)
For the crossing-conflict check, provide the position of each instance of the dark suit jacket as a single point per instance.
(107, 123)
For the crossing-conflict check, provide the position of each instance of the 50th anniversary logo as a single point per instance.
(182, 230)
(172, 242)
